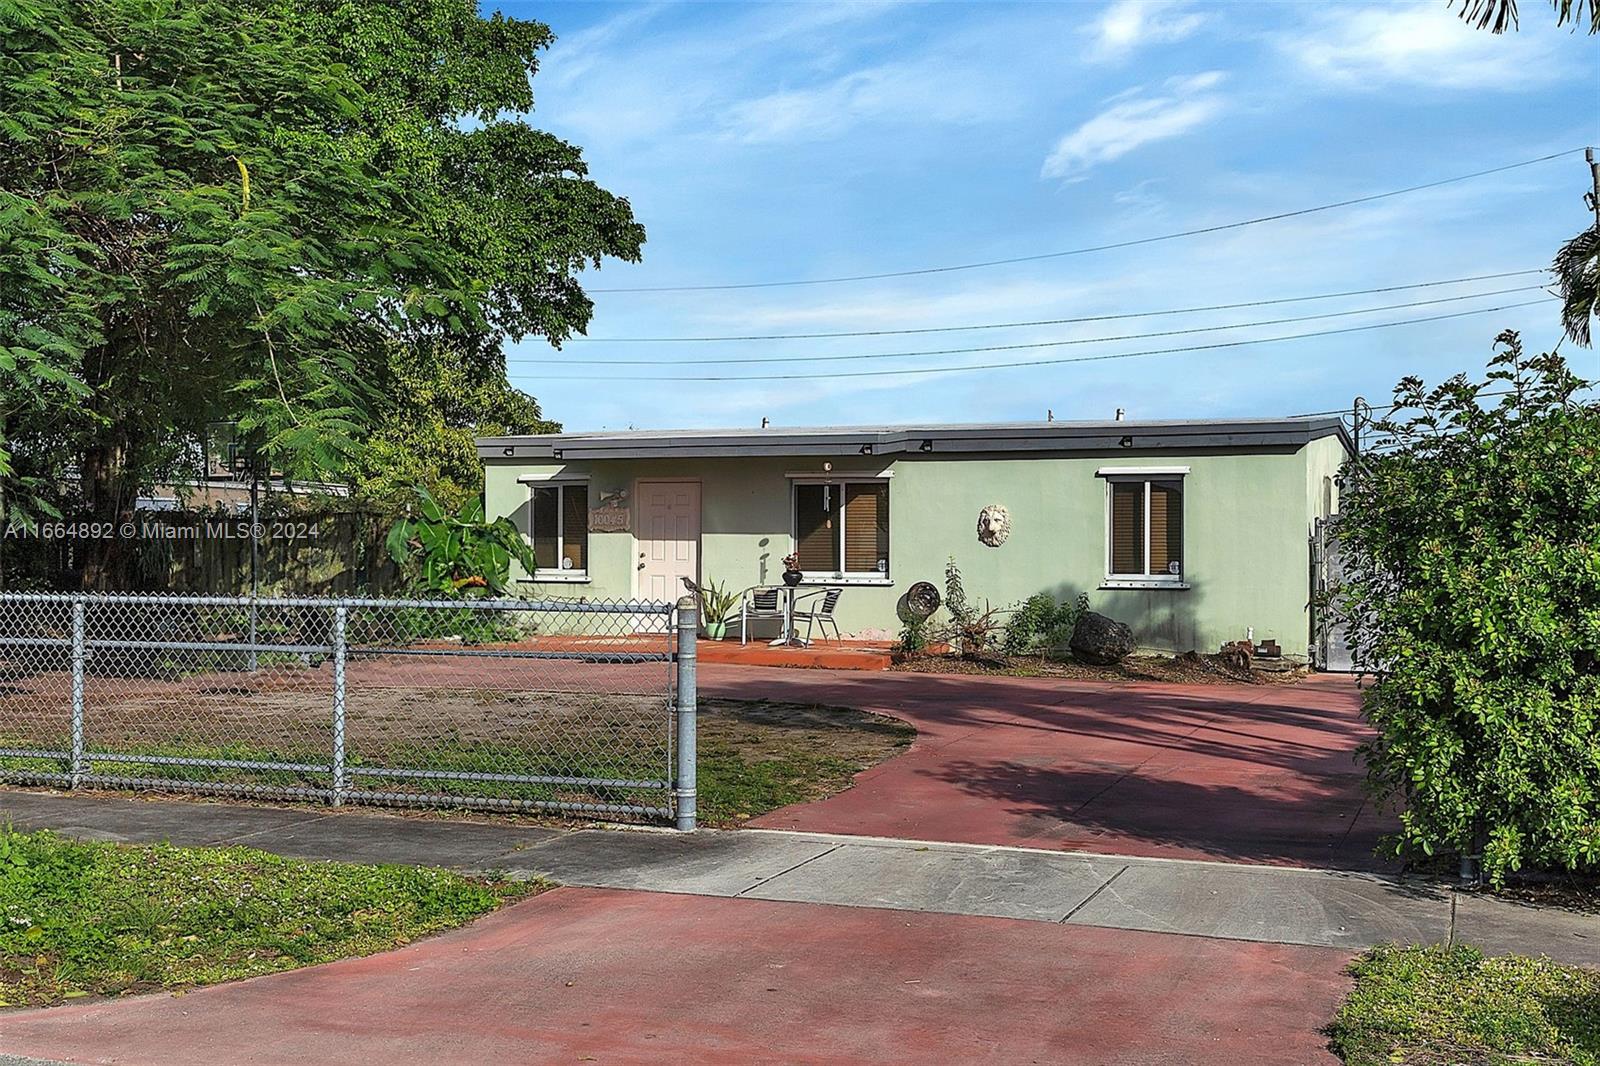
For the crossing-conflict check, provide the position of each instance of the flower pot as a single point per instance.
(716, 630)
(792, 577)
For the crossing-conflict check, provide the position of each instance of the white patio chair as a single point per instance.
(758, 602)
(816, 608)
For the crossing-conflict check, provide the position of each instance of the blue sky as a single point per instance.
(771, 141)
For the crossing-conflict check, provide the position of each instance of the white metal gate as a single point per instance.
(1330, 649)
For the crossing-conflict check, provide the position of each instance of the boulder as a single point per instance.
(1100, 640)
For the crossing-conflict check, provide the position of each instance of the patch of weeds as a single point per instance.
(755, 758)
(1436, 1006)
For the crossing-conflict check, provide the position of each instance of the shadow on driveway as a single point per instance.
(1247, 773)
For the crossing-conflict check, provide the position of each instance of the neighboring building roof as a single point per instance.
(957, 439)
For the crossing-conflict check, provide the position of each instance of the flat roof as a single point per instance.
(939, 439)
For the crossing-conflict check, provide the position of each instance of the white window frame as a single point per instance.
(837, 577)
(556, 575)
(1145, 475)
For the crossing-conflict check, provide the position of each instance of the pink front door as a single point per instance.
(669, 538)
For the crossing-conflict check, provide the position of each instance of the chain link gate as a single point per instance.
(577, 706)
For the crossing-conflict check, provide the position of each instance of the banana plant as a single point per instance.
(459, 555)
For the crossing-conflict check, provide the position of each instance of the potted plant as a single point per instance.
(791, 570)
(716, 603)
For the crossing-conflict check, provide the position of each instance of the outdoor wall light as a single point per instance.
(1126, 442)
(866, 449)
(927, 445)
(509, 451)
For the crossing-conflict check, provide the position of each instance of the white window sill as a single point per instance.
(1142, 583)
(878, 582)
(557, 577)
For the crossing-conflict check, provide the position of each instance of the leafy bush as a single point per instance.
(1471, 539)
(971, 632)
(458, 555)
(913, 635)
(1041, 623)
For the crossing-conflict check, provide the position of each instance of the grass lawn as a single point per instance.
(1454, 1007)
(754, 756)
(82, 918)
(757, 757)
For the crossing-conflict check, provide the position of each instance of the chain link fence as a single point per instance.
(579, 706)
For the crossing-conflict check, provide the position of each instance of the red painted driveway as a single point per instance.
(587, 975)
(1247, 773)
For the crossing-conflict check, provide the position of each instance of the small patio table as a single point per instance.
(790, 638)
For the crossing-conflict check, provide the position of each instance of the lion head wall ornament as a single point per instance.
(994, 525)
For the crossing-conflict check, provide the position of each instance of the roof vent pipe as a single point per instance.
(1120, 413)
(765, 422)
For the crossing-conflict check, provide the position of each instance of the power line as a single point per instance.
(1393, 407)
(1042, 362)
(1017, 347)
(1096, 247)
(1346, 410)
(1053, 321)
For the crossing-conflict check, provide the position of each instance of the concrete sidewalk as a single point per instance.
(1235, 902)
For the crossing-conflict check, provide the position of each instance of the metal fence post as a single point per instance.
(338, 705)
(76, 768)
(684, 789)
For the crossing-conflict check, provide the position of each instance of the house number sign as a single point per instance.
(612, 515)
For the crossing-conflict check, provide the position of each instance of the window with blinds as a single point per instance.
(1145, 528)
(559, 528)
(816, 528)
(842, 528)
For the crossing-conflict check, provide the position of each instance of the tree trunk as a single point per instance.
(107, 501)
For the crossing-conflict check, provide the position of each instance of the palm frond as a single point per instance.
(1498, 16)
(1577, 271)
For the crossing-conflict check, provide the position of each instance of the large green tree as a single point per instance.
(436, 405)
(261, 210)
(1471, 538)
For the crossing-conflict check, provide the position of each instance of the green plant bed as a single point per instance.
(86, 918)
(1455, 1007)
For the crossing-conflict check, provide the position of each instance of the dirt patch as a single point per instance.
(757, 757)
(1187, 669)
(754, 756)
(764, 730)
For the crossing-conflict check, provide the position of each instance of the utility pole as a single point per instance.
(1592, 199)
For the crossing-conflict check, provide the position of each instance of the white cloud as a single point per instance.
(899, 91)
(964, 300)
(1131, 24)
(1370, 47)
(1134, 119)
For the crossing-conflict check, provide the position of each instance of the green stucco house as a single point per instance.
(1194, 533)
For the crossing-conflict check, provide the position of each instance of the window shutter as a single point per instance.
(866, 528)
(816, 528)
(1166, 527)
(575, 525)
(545, 502)
(1127, 527)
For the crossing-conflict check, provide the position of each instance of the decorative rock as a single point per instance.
(994, 525)
(1100, 640)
